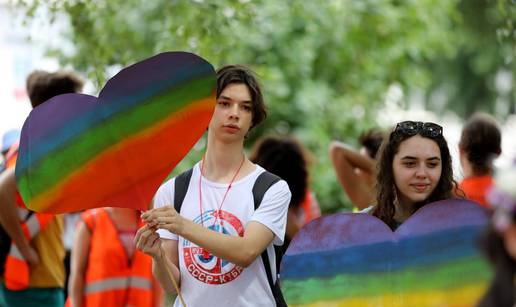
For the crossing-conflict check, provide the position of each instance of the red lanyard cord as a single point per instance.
(225, 194)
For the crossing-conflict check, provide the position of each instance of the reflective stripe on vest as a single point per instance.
(33, 226)
(17, 271)
(111, 277)
(22, 213)
(15, 253)
(118, 283)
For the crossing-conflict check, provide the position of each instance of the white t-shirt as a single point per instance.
(207, 280)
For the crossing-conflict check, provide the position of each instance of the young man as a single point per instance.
(213, 245)
(34, 272)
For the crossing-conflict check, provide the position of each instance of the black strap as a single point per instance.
(180, 188)
(275, 287)
(264, 181)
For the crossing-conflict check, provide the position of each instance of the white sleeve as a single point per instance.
(165, 197)
(272, 212)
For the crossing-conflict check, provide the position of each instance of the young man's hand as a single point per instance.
(165, 218)
(147, 240)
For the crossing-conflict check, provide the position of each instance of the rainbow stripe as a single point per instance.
(79, 152)
(431, 260)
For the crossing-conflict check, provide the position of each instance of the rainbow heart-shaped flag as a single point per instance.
(356, 260)
(79, 152)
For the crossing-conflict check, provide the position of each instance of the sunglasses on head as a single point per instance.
(411, 128)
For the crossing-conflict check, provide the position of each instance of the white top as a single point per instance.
(70, 223)
(207, 280)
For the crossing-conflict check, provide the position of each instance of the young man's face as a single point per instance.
(233, 114)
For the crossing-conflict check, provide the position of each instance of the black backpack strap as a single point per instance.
(264, 181)
(180, 188)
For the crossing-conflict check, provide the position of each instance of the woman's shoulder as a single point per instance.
(367, 210)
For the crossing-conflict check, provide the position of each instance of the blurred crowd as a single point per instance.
(104, 256)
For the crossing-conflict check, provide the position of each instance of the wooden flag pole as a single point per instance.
(169, 271)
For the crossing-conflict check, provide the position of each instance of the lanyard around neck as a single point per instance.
(225, 194)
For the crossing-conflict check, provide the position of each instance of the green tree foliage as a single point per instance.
(485, 47)
(325, 65)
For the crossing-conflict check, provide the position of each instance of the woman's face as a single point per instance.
(417, 169)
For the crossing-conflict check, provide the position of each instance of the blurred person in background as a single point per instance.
(479, 145)
(356, 170)
(499, 241)
(34, 273)
(9, 138)
(106, 268)
(288, 159)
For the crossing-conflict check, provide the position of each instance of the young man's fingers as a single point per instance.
(139, 233)
(151, 224)
(159, 210)
(153, 217)
(139, 241)
(155, 210)
(164, 220)
(155, 240)
(144, 236)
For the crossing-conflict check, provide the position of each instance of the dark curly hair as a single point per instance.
(481, 142)
(286, 158)
(372, 140)
(385, 184)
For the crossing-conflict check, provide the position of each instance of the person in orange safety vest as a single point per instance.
(34, 272)
(480, 144)
(106, 268)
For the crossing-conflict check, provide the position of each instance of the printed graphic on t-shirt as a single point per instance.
(204, 266)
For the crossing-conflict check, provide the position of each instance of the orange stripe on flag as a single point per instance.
(129, 173)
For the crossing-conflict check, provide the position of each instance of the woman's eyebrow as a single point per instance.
(409, 158)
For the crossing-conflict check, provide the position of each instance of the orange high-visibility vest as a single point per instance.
(306, 205)
(11, 158)
(12, 154)
(111, 278)
(476, 188)
(17, 272)
(310, 208)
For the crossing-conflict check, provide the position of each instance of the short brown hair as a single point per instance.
(239, 74)
(42, 85)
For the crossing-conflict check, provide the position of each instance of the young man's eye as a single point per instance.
(432, 165)
(248, 108)
(223, 103)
